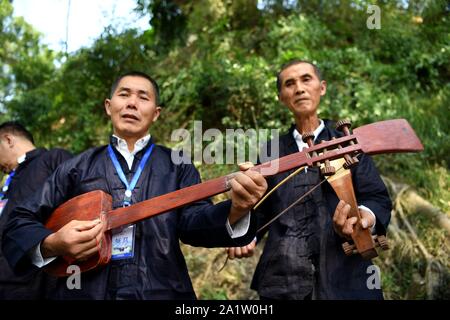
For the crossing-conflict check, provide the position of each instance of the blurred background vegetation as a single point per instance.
(216, 61)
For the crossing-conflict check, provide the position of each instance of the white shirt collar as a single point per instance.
(122, 147)
(22, 158)
(298, 136)
(138, 146)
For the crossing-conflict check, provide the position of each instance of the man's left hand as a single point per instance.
(343, 224)
(247, 187)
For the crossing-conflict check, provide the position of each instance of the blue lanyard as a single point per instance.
(130, 187)
(7, 183)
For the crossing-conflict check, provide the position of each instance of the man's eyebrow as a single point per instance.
(129, 90)
(306, 75)
(124, 89)
(143, 92)
(288, 79)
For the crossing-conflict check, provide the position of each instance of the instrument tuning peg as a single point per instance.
(308, 138)
(344, 126)
(327, 170)
(350, 162)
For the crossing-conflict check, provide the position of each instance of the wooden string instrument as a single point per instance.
(389, 136)
(364, 242)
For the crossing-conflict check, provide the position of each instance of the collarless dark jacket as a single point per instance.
(29, 177)
(158, 269)
(303, 256)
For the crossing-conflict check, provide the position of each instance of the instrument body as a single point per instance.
(89, 206)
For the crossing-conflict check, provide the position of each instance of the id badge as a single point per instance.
(123, 243)
(3, 205)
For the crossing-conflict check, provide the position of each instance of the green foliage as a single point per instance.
(24, 63)
(167, 20)
(84, 80)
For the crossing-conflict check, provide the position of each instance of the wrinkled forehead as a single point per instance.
(297, 70)
(135, 83)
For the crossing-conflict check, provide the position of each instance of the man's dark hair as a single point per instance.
(292, 63)
(136, 74)
(15, 128)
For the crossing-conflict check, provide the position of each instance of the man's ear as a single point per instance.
(9, 140)
(108, 106)
(323, 88)
(157, 113)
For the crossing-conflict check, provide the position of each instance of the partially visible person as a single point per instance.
(27, 167)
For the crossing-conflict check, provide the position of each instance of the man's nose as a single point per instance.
(131, 102)
(299, 88)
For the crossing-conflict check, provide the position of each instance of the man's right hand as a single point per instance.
(78, 240)
(242, 252)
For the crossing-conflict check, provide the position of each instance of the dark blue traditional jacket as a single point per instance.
(158, 269)
(303, 256)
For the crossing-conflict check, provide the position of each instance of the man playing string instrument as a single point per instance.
(147, 262)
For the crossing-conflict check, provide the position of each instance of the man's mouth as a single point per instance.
(130, 116)
(300, 100)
